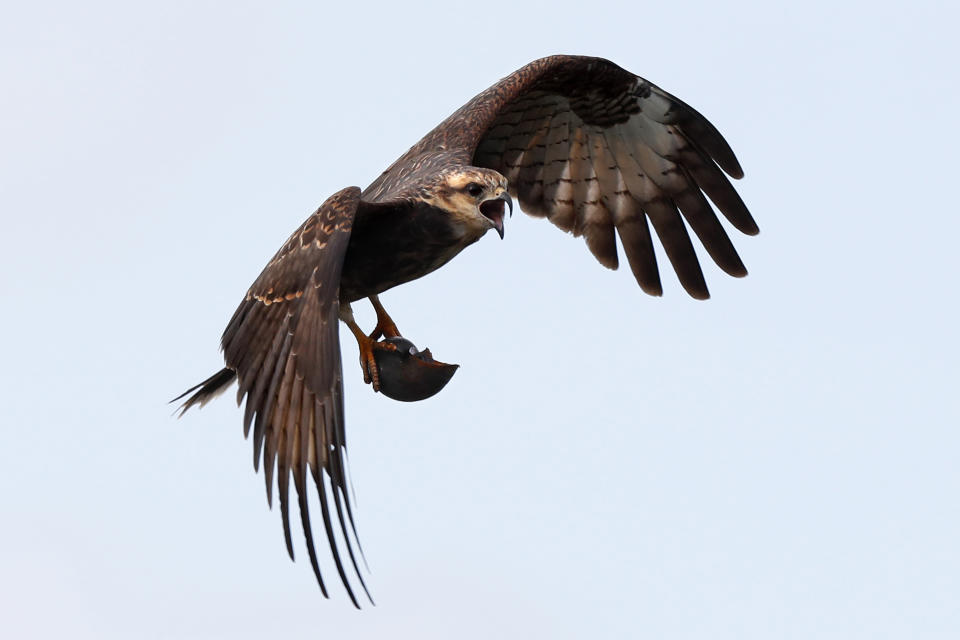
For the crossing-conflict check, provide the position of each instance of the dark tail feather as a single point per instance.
(207, 390)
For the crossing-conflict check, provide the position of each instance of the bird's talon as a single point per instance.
(368, 361)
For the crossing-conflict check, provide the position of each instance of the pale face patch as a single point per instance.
(462, 192)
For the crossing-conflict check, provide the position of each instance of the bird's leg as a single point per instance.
(367, 345)
(385, 324)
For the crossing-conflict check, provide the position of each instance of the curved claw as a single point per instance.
(368, 360)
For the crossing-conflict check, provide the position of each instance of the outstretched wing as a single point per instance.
(283, 342)
(594, 149)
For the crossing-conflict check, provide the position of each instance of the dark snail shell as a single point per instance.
(408, 375)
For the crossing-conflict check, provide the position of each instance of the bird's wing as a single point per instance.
(283, 341)
(594, 149)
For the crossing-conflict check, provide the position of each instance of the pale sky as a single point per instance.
(778, 462)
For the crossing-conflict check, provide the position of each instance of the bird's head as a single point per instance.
(475, 198)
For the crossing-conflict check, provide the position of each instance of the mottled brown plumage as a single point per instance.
(593, 148)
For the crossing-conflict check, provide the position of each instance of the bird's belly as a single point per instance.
(384, 272)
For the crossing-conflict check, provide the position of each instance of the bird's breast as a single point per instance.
(388, 248)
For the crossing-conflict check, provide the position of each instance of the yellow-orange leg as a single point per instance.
(385, 324)
(367, 345)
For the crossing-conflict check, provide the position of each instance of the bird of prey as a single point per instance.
(591, 147)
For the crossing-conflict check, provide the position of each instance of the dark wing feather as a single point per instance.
(594, 149)
(283, 342)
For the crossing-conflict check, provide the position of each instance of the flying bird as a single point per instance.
(591, 147)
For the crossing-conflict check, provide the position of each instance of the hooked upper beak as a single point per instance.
(493, 210)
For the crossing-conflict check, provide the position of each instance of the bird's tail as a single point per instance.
(207, 390)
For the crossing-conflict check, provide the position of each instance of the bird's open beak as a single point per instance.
(493, 210)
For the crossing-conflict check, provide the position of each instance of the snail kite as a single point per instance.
(596, 150)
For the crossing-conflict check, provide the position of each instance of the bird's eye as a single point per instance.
(474, 189)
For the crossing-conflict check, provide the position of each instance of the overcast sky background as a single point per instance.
(778, 462)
